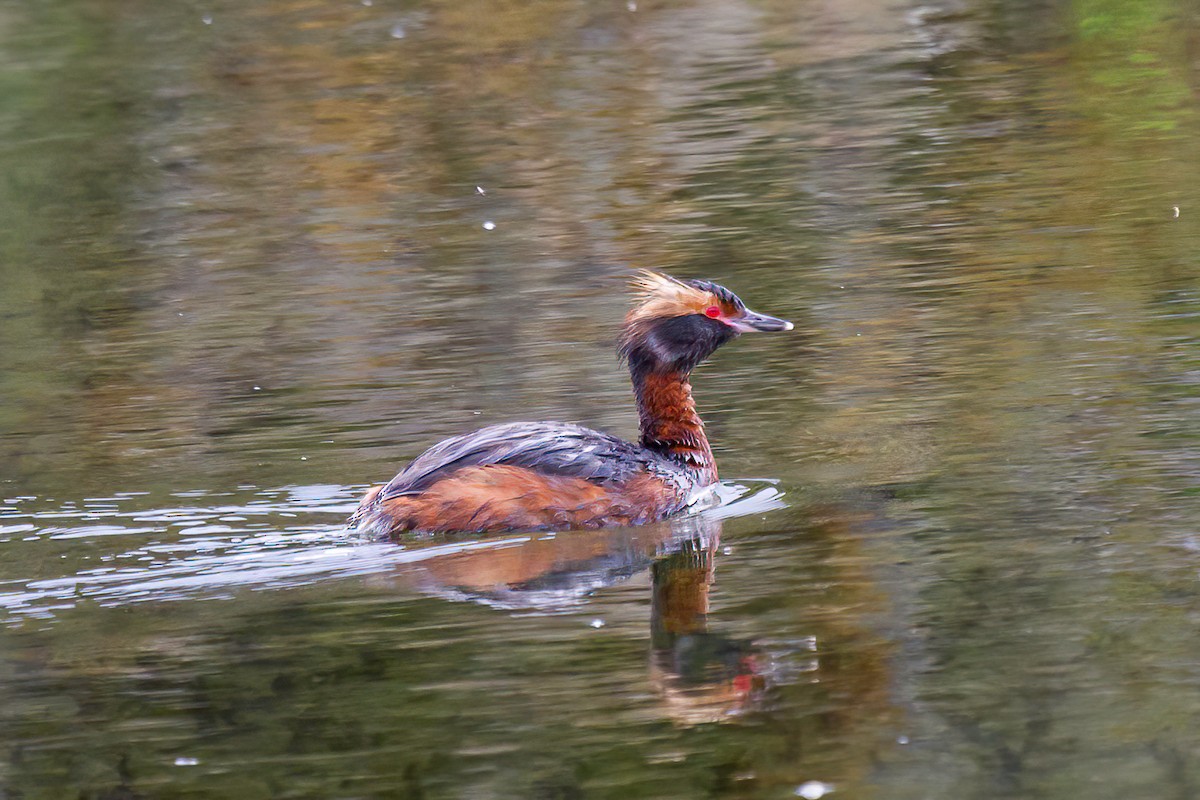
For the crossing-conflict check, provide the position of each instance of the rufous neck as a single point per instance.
(669, 422)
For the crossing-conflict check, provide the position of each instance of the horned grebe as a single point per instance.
(539, 475)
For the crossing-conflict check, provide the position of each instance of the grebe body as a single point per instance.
(542, 475)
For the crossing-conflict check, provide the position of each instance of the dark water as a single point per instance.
(255, 256)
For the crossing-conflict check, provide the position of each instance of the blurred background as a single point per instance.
(254, 256)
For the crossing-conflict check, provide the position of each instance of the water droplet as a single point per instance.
(1176, 209)
(397, 31)
(304, 458)
(206, 19)
(631, 5)
(186, 761)
(479, 190)
(812, 790)
(597, 623)
(367, 2)
(489, 226)
(902, 739)
(728, 551)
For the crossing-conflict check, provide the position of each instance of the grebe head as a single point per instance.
(677, 324)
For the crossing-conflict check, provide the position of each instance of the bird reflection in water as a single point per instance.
(702, 675)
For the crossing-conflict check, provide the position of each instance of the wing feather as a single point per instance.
(551, 448)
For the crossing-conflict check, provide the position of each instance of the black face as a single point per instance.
(678, 344)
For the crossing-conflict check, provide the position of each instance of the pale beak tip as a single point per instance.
(787, 326)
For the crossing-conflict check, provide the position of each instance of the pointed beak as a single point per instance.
(752, 321)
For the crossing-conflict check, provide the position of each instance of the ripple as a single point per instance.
(274, 539)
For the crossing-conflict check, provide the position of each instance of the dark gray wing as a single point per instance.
(551, 448)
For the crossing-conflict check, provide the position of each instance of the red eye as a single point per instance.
(712, 312)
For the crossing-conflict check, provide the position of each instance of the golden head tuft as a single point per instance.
(660, 295)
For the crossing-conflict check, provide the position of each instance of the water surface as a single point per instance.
(255, 256)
